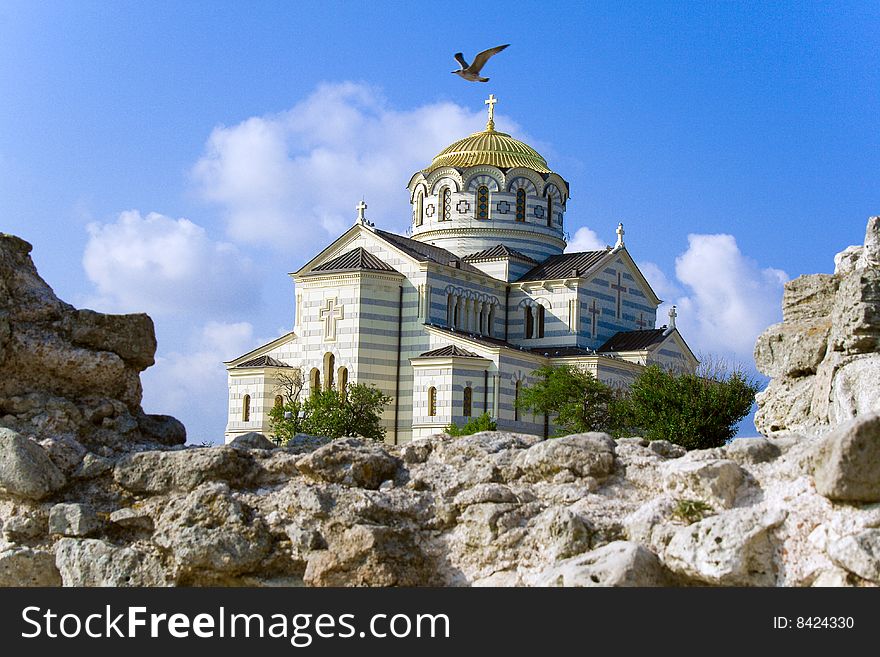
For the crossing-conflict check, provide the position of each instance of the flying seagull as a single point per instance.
(472, 72)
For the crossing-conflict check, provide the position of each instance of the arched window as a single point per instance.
(445, 204)
(450, 310)
(549, 210)
(432, 401)
(521, 204)
(420, 208)
(315, 380)
(246, 409)
(329, 367)
(516, 401)
(482, 202)
(491, 321)
(279, 401)
(529, 322)
(467, 401)
(456, 314)
(539, 321)
(343, 379)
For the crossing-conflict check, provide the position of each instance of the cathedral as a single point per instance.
(452, 320)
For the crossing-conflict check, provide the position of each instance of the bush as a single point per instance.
(696, 412)
(356, 411)
(579, 401)
(476, 424)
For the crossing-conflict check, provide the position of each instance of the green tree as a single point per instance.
(356, 411)
(578, 399)
(476, 424)
(696, 411)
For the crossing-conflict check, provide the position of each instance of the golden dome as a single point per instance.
(490, 147)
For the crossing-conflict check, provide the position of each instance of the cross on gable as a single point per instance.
(361, 207)
(641, 323)
(331, 314)
(595, 312)
(620, 288)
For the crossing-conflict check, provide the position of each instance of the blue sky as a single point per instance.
(181, 158)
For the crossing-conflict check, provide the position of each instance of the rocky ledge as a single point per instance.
(95, 492)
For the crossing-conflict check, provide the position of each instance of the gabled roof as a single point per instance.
(424, 252)
(634, 340)
(497, 252)
(262, 361)
(449, 350)
(354, 260)
(260, 351)
(564, 266)
(561, 352)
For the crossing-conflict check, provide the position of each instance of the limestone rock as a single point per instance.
(714, 481)
(369, 555)
(871, 251)
(92, 562)
(350, 461)
(162, 429)
(71, 519)
(252, 440)
(848, 462)
(853, 388)
(620, 563)
(792, 350)
(569, 458)
(131, 337)
(559, 533)
(22, 566)
(855, 319)
(25, 527)
(132, 518)
(25, 468)
(734, 548)
(211, 530)
(752, 450)
(161, 472)
(859, 554)
(809, 297)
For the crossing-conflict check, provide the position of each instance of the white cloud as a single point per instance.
(729, 298)
(164, 266)
(660, 283)
(278, 177)
(190, 384)
(584, 239)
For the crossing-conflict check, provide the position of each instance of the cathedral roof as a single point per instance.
(497, 252)
(424, 252)
(355, 260)
(564, 265)
(633, 340)
(263, 361)
(490, 147)
(449, 350)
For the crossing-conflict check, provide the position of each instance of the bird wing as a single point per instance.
(481, 59)
(459, 57)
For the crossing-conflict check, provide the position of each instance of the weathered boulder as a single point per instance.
(825, 356)
(72, 519)
(22, 566)
(25, 527)
(848, 463)
(734, 548)
(210, 530)
(620, 563)
(252, 440)
(132, 518)
(93, 562)
(350, 461)
(131, 337)
(751, 450)
(714, 481)
(859, 554)
(371, 555)
(161, 472)
(567, 459)
(163, 429)
(25, 468)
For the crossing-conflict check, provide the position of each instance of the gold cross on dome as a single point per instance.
(491, 103)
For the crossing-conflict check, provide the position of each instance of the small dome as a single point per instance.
(490, 147)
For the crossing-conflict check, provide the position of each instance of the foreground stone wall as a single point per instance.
(92, 494)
